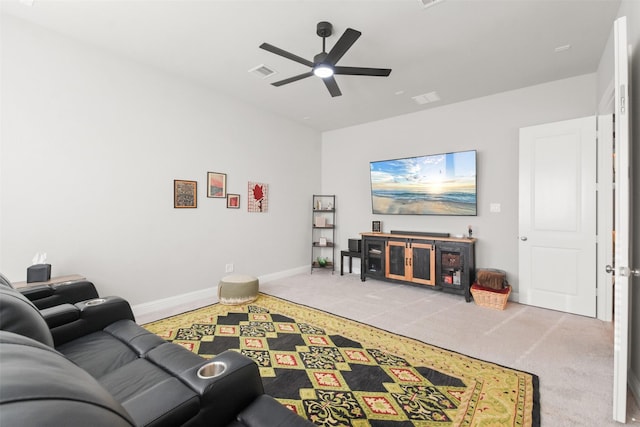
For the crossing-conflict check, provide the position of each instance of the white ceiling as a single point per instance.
(461, 49)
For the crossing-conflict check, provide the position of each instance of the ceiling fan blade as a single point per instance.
(342, 46)
(362, 71)
(293, 79)
(332, 85)
(284, 53)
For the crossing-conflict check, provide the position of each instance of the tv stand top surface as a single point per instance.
(420, 233)
(424, 235)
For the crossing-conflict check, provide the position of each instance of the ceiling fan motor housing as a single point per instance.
(319, 58)
(324, 29)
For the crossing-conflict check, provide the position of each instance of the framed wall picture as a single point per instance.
(233, 201)
(185, 194)
(257, 199)
(216, 184)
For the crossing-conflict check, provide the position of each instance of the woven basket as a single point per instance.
(490, 298)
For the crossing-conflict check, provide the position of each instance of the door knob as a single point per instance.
(523, 238)
(608, 269)
(628, 272)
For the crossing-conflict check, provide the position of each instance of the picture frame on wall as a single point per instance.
(233, 201)
(257, 197)
(216, 185)
(185, 194)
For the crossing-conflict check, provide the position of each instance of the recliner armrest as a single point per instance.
(60, 315)
(36, 292)
(45, 296)
(222, 396)
(95, 315)
(266, 411)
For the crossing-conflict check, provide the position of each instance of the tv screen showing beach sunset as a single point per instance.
(440, 184)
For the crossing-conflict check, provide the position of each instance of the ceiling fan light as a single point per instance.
(323, 71)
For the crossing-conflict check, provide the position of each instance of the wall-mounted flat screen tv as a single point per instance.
(439, 184)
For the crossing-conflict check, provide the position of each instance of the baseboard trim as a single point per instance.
(282, 274)
(165, 307)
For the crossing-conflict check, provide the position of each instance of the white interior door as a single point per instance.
(557, 216)
(622, 256)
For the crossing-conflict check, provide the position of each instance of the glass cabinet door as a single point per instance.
(374, 250)
(423, 258)
(397, 261)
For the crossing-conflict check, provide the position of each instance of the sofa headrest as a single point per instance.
(39, 386)
(5, 282)
(19, 315)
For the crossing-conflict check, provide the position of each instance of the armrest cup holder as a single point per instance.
(211, 370)
(226, 384)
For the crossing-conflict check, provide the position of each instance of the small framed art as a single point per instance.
(376, 226)
(233, 201)
(257, 199)
(216, 184)
(185, 194)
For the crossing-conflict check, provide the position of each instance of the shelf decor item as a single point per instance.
(216, 185)
(320, 221)
(185, 194)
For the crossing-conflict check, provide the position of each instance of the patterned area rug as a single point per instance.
(338, 372)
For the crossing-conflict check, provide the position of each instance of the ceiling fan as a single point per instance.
(324, 64)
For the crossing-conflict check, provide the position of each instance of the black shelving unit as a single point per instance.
(323, 232)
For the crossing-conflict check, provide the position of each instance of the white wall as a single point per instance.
(489, 125)
(91, 144)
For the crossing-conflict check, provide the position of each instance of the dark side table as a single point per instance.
(351, 255)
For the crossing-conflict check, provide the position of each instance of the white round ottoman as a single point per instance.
(237, 289)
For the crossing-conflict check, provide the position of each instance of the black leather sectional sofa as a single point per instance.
(88, 363)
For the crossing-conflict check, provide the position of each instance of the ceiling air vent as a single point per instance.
(428, 3)
(262, 71)
(426, 98)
